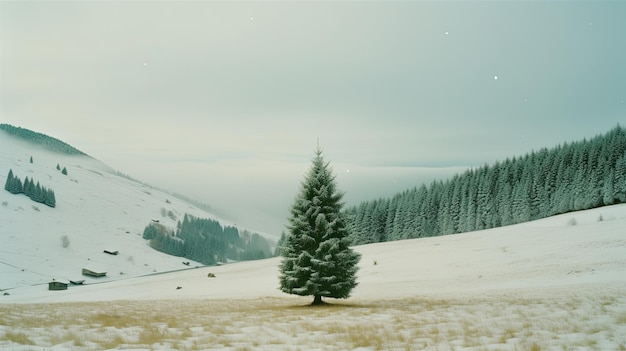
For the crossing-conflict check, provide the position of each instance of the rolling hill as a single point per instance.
(96, 210)
(576, 251)
(553, 283)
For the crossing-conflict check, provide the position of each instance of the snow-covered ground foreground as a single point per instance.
(553, 284)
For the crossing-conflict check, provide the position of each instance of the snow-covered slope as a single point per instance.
(555, 284)
(98, 210)
(544, 256)
(95, 209)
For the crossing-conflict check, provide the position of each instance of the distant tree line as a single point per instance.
(48, 142)
(35, 192)
(207, 241)
(570, 177)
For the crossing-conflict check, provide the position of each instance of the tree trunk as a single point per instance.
(317, 300)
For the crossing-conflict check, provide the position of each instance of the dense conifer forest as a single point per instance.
(48, 142)
(570, 177)
(207, 242)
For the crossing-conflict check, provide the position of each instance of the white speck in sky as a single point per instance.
(495, 77)
(348, 170)
(251, 18)
(145, 64)
(447, 33)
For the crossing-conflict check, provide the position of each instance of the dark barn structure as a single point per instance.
(54, 285)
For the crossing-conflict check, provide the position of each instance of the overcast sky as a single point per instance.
(225, 101)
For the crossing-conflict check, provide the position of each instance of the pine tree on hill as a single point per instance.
(317, 260)
(28, 187)
(64, 171)
(13, 184)
(9, 183)
(37, 196)
(50, 199)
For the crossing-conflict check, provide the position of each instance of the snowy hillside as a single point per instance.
(571, 251)
(96, 210)
(553, 284)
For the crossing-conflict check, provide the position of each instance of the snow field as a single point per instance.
(583, 320)
(553, 284)
(545, 285)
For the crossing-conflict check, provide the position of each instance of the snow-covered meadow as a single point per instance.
(553, 284)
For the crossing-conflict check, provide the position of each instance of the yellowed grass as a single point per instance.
(500, 323)
(18, 338)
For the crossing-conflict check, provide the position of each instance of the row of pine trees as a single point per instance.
(569, 177)
(36, 192)
(44, 140)
(207, 241)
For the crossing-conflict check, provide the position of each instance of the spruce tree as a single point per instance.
(50, 199)
(8, 186)
(317, 259)
(28, 187)
(17, 186)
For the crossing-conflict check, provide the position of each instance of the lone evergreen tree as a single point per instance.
(317, 258)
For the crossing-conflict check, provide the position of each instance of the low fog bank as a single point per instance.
(260, 195)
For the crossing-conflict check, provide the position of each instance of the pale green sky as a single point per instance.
(225, 100)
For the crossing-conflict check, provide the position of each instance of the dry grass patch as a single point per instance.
(18, 338)
(621, 318)
(489, 323)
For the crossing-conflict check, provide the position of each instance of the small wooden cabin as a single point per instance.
(93, 274)
(54, 285)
